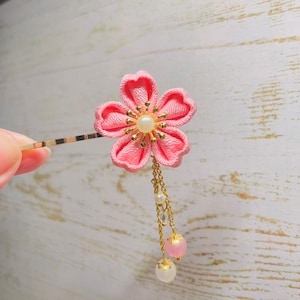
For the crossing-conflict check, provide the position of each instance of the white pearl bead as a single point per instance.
(159, 198)
(145, 124)
(165, 270)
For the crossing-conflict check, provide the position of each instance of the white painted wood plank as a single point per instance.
(79, 228)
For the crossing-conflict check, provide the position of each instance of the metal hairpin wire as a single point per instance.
(60, 141)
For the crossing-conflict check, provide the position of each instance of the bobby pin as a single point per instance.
(60, 141)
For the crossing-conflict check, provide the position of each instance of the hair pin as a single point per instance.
(60, 141)
(146, 128)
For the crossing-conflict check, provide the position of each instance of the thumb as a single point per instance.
(10, 158)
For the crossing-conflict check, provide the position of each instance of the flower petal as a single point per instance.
(129, 154)
(111, 119)
(169, 151)
(136, 89)
(178, 106)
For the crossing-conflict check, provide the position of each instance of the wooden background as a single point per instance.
(80, 228)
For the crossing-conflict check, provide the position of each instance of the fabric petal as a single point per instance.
(111, 119)
(136, 89)
(170, 150)
(129, 154)
(178, 106)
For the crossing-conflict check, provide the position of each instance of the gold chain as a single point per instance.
(161, 233)
(159, 185)
(155, 183)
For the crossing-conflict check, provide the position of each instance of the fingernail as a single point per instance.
(32, 159)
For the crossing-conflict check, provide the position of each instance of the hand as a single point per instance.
(13, 161)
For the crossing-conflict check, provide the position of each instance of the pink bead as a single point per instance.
(175, 246)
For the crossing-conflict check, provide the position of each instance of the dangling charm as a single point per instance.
(175, 245)
(147, 127)
(165, 270)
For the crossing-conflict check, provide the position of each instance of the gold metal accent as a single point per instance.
(130, 121)
(165, 264)
(152, 137)
(139, 109)
(162, 125)
(160, 134)
(130, 113)
(175, 238)
(127, 130)
(143, 143)
(135, 136)
(163, 115)
(147, 104)
(155, 109)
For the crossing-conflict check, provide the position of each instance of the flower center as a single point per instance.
(145, 124)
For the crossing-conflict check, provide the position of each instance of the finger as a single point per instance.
(31, 159)
(10, 157)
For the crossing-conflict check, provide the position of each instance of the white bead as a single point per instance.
(159, 198)
(145, 124)
(165, 270)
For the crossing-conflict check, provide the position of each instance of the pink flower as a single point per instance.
(144, 124)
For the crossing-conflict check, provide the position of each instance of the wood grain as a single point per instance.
(81, 228)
